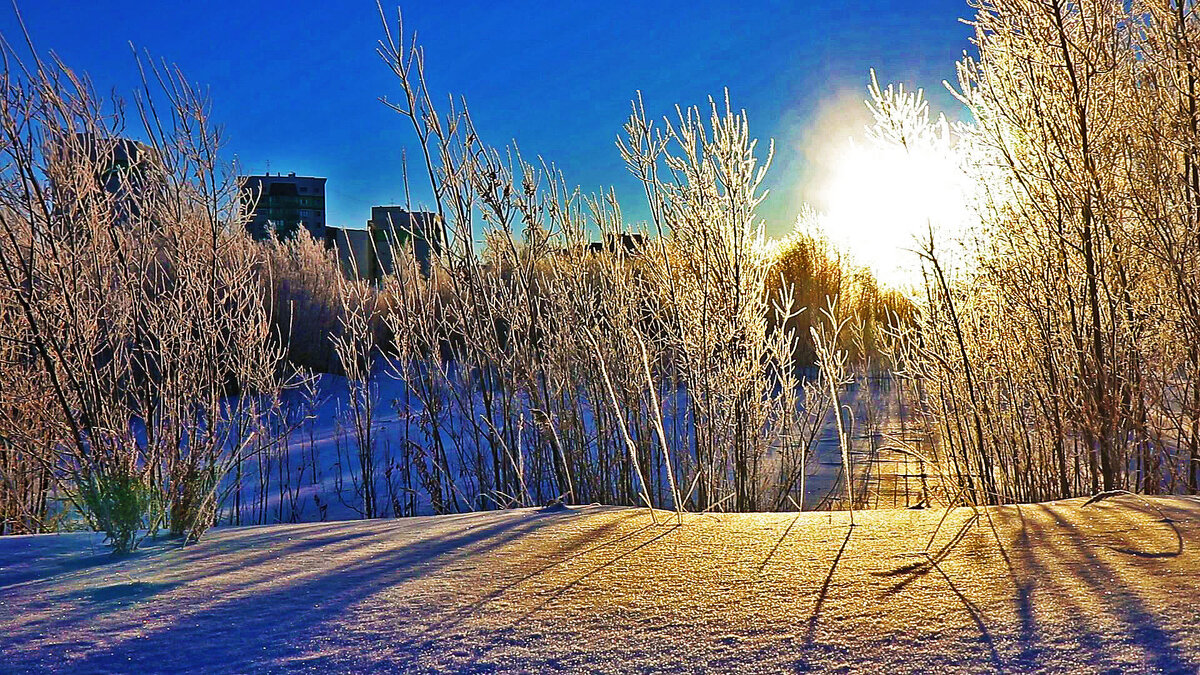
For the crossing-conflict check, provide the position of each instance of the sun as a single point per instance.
(878, 202)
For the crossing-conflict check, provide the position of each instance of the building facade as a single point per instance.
(367, 253)
(355, 251)
(281, 205)
(394, 228)
(629, 244)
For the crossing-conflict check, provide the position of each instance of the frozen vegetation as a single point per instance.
(163, 370)
(314, 473)
(703, 450)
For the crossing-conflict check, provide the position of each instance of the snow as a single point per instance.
(1059, 587)
(305, 487)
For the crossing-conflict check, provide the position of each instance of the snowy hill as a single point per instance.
(1059, 587)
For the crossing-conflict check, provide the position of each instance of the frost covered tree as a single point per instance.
(133, 297)
(1060, 359)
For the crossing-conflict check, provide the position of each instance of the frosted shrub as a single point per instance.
(1060, 357)
(137, 299)
(303, 282)
(655, 371)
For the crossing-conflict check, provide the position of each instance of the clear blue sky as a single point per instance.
(296, 84)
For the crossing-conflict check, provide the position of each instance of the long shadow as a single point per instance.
(280, 620)
(1148, 509)
(33, 564)
(52, 569)
(95, 605)
(916, 570)
(1030, 574)
(133, 591)
(456, 617)
(1103, 582)
(816, 614)
(431, 638)
(578, 580)
(778, 543)
(1027, 658)
(977, 617)
(1028, 639)
(920, 569)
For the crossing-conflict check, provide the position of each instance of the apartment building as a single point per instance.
(282, 204)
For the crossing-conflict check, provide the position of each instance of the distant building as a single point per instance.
(367, 253)
(630, 244)
(394, 227)
(355, 251)
(121, 167)
(283, 204)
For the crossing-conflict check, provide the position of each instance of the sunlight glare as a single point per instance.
(878, 202)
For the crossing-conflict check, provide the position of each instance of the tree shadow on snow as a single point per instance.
(280, 618)
(1054, 557)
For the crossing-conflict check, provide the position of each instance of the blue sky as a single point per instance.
(296, 85)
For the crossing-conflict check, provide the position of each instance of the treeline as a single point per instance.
(151, 352)
(806, 272)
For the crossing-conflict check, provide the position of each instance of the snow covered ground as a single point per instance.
(312, 478)
(1061, 587)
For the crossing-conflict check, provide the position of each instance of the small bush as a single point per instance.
(119, 502)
